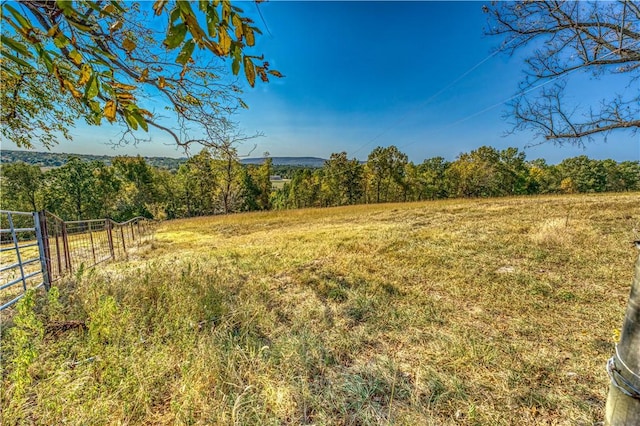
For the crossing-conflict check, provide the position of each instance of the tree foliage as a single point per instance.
(105, 59)
(563, 37)
(215, 182)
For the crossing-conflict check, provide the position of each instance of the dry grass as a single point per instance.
(481, 312)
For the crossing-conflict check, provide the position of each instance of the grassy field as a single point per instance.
(474, 312)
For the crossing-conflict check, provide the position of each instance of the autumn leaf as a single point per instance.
(110, 111)
(250, 71)
(128, 45)
(85, 74)
(75, 57)
(224, 41)
(158, 6)
(144, 75)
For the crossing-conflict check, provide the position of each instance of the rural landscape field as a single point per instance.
(472, 312)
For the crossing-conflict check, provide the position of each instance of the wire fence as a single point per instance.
(39, 248)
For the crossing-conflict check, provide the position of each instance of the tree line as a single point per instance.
(215, 182)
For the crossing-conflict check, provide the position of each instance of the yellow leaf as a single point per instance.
(75, 57)
(224, 41)
(250, 71)
(251, 40)
(145, 74)
(70, 87)
(85, 75)
(158, 6)
(128, 45)
(123, 86)
(115, 26)
(110, 111)
(237, 23)
(161, 82)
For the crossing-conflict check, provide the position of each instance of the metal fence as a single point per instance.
(39, 248)
(22, 266)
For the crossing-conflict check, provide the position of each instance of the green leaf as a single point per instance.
(174, 15)
(92, 88)
(212, 21)
(185, 53)
(175, 36)
(66, 7)
(16, 59)
(61, 41)
(235, 66)
(140, 119)
(131, 120)
(185, 7)
(24, 23)
(16, 46)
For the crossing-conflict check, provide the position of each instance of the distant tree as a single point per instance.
(476, 174)
(543, 178)
(344, 179)
(385, 168)
(71, 191)
(624, 176)
(21, 184)
(561, 37)
(515, 174)
(586, 174)
(228, 169)
(200, 184)
(249, 192)
(138, 188)
(262, 178)
(432, 178)
(100, 58)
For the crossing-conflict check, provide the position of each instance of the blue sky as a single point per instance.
(364, 74)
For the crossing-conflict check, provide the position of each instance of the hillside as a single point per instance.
(457, 312)
(53, 159)
(288, 161)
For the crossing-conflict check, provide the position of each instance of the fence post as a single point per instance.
(623, 401)
(14, 237)
(43, 247)
(124, 246)
(93, 248)
(110, 239)
(65, 246)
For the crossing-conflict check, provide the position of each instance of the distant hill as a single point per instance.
(288, 161)
(54, 159)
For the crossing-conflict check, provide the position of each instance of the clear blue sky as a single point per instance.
(365, 74)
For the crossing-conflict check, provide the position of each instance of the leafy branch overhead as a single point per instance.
(108, 58)
(566, 37)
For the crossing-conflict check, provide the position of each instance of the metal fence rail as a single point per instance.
(22, 266)
(39, 248)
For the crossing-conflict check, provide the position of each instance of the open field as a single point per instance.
(469, 312)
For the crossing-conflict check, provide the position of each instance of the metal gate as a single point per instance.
(39, 248)
(22, 262)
